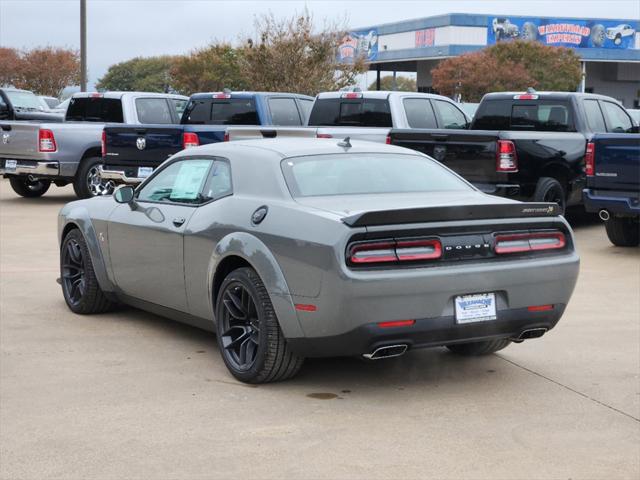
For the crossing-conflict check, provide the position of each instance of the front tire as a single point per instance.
(28, 188)
(249, 337)
(623, 231)
(87, 183)
(479, 348)
(549, 189)
(80, 287)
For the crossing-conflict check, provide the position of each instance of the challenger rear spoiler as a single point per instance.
(461, 212)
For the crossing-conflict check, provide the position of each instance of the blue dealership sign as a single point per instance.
(562, 32)
(363, 43)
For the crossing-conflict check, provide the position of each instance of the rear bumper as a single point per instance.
(118, 175)
(427, 332)
(614, 202)
(30, 167)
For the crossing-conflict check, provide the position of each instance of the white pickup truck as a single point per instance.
(34, 155)
(371, 115)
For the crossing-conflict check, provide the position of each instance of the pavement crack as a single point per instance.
(584, 395)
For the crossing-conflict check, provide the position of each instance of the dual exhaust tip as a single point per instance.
(604, 215)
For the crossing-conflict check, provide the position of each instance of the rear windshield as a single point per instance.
(95, 109)
(334, 112)
(229, 111)
(367, 173)
(530, 115)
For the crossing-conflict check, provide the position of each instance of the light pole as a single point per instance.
(83, 45)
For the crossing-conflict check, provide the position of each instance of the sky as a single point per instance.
(118, 30)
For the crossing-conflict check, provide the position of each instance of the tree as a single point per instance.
(139, 74)
(10, 66)
(403, 84)
(212, 68)
(292, 56)
(508, 66)
(47, 70)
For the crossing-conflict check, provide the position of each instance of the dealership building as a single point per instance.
(609, 49)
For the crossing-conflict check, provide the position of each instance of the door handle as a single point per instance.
(178, 221)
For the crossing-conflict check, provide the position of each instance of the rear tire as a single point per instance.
(479, 348)
(29, 189)
(249, 337)
(87, 183)
(623, 231)
(549, 189)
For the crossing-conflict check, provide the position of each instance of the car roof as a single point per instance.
(382, 94)
(542, 95)
(245, 94)
(122, 94)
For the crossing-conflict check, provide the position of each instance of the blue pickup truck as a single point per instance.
(612, 166)
(130, 153)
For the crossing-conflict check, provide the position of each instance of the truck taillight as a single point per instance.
(388, 251)
(525, 96)
(352, 95)
(590, 159)
(225, 138)
(506, 157)
(388, 140)
(46, 141)
(190, 139)
(103, 144)
(221, 95)
(528, 242)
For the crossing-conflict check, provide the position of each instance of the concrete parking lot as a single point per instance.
(131, 395)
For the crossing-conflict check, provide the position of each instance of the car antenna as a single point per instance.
(346, 143)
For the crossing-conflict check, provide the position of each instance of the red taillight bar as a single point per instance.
(352, 95)
(103, 144)
(396, 323)
(221, 95)
(525, 96)
(540, 308)
(590, 160)
(324, 135)
(190, 139)
(418, 250)
(378, 252)
(387, 251)
(46, 141)
(529, 242)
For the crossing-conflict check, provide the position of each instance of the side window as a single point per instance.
(284, 111)
(180, 182)
(419, 113)
(218, 182)
(376, 113)
(178, 105)
(450, 116)
(617, 119)
(594, 116)
(153, 110)
(305, 106)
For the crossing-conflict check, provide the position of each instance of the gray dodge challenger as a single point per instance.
(294, 248)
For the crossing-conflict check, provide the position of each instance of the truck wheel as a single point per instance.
(249, 337)
(29, 188)
(479, 348)
(618, 39)
(623, 231)
(88, 183)
(79, 284)
(551, 190)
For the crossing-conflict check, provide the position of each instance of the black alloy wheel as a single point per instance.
(73, 272)
(240, 327)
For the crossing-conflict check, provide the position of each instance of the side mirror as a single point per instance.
(124, 194)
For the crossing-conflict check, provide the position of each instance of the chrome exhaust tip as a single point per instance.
(388, 351)
(604, 215)
(529, 334)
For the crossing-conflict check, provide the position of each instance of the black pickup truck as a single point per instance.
(528, 146)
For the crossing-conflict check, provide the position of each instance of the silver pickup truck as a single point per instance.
(34, 155)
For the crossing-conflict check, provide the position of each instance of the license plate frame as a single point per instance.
(144, 172)
(475, 307)
(10, 165)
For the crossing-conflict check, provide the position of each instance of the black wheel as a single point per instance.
(551, 190)
(29, 188)
(88, 183)
(618, 39)
(623, 231)
(251, 343)
(480, 348)
(79, 284)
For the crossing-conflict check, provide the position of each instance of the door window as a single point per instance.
(153, 110)
(306, 106)
(179, 182)
(617, 119)
(419, 113)
(594, 116)
(450, 116)
(218, 182)
(284, 112)
(178, 105)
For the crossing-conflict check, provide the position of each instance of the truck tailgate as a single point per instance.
(617, 162)
(19, 140)
(142, 145)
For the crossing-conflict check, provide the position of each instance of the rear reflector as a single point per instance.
(324, 135)
(540, 308)
(46, 141)
(352, 95)
(221, 95)
(306, 307)
(590, 159)
(103, 144)
(396, 323)
(529, 242)
(526, 96)
(506, 157)
(190, 139)
(387, 251)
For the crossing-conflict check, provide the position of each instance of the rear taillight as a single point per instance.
(103, 144)
(226, 137)
(389, 251)
(506, 157)
(590, 159)
(528, 242)
(525, 96)
(388, 140)
(221, 95)
(351, 95)
(46, 141)
(190, 139)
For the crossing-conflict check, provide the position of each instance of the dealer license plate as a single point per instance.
(144, 172)
(479, 307)
(10, 165)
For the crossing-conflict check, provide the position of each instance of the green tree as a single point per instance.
(150, 74)
(208, 69)
(403, 84)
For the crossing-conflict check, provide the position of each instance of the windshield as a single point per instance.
(24, 100)
(367, 173)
